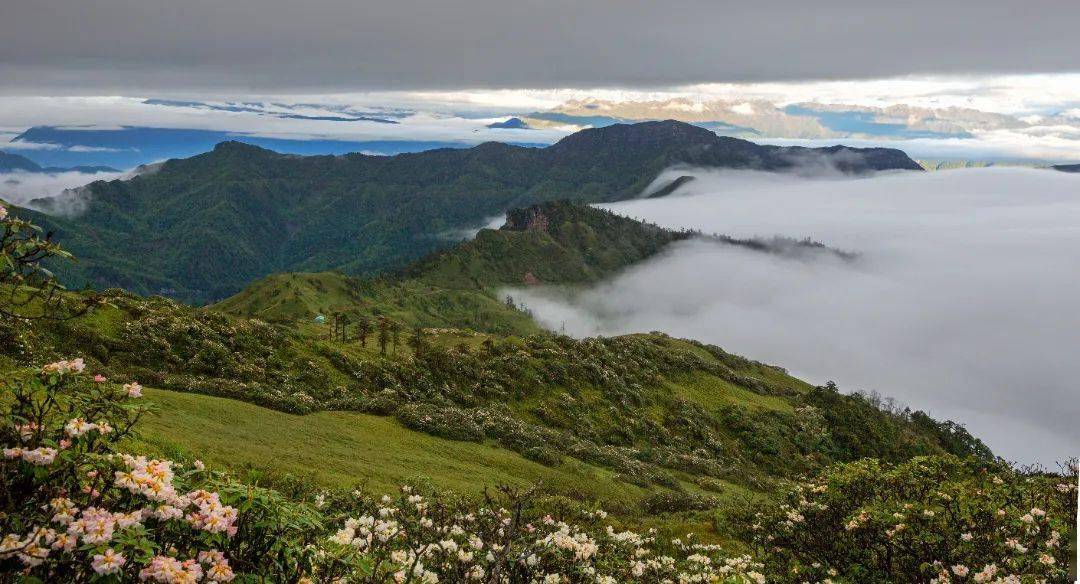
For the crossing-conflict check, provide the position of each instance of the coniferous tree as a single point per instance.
(384, 334)
(363, 328)
(395, 331)
(418, 341)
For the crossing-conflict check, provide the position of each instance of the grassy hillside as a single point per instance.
(166, 231)
(343, 449)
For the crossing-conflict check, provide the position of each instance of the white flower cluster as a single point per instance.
(417, 540)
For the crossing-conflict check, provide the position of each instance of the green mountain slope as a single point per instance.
(203, 227)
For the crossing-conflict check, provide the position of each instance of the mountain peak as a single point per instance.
(235, 146)
(664, 133)
(511, 124)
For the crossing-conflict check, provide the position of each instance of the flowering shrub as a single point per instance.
(414, 538)
(73, 508)
(933, 519)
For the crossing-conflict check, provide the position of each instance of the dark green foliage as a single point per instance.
(553, 243)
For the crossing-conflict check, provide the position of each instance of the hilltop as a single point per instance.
(164, 231)
(557, 243)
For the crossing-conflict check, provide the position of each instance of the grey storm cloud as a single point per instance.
(278, 45)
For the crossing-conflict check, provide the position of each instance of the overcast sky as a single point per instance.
(105, 46)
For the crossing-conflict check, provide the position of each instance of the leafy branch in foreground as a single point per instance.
(28, 289)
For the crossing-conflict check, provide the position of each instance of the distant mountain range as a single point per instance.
(203, 227)
(15, 162)
(1067, 167)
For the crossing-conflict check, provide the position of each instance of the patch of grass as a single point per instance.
(712, 392)
(296, 299)
(342, 449)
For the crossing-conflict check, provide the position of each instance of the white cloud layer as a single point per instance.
(1051, 100)
(963, 302)
(22, 187)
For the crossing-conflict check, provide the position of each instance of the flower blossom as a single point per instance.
(108, 563)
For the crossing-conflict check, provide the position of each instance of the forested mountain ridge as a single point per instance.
(365, 214)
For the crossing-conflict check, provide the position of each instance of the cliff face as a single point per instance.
(528, 219)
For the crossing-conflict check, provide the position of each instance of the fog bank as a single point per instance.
(962, 302)
(20, 188)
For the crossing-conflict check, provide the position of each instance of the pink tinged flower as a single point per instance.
(108, 563)
(99, 378)
(220, 572)
(3, 212)
(40, 456)
(77, 427)
(133, 389)
(62, 367)
(960, 570)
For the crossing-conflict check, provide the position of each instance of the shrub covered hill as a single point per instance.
(167, 231)
(651, 422)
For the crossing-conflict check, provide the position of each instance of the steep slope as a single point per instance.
(202, 227)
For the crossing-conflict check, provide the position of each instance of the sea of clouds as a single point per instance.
(962, 301)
